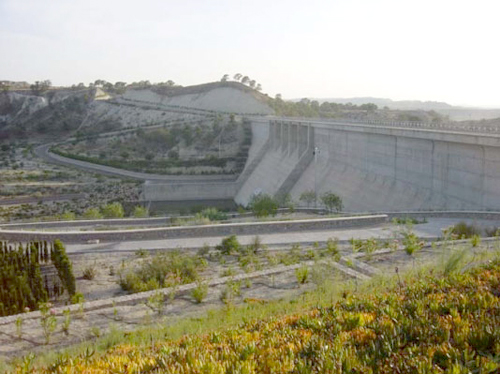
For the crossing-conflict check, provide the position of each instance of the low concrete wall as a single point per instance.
(178, 191)
(253, 228)
(494, 216)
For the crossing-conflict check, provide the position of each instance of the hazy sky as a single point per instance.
(445, 50)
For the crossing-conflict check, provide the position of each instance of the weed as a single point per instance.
(332, 246)
(48, 320)
(95, 332)
(66, 321)
(302, 274)
(229, 272)
(475, 240)
(157, 302)
(455, 261)
(142, 253)
(200, 292)
(464, 231)
(19, 327)
(89, 272)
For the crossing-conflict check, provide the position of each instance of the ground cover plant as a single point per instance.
(430, 323)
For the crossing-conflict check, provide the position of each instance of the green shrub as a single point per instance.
(200, 292)
(162, 270)
(213, 214)
(229, 245)
(113, 210)
(68, 216)
(263, 205)
(77, 298)
(302, 274)
(475, 240)
(140, 212)
(332, 246)
(92, 213)
(411, 243)
(332, 202)
(89, 272)
(464, 231)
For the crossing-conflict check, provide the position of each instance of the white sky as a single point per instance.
(444, 50)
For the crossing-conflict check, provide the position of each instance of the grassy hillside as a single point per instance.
(431, 324)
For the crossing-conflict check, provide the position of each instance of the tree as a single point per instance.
(278, 96)
(309, 197)
(245, 79)
(40, 87)
(252, 83)
(237, 77)
(263, 205)
(332, 201)
(225, 78)
(259, 87)
(4, 87)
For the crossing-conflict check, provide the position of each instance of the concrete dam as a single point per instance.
(371, 166)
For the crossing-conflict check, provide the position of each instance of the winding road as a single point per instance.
(43, 152)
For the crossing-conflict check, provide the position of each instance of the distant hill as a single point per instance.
(455, 113)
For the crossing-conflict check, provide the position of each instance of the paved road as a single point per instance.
(431, 229)
(44, 153)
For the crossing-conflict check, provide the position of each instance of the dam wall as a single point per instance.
(372, 167)
(207, 187)
(388, 168)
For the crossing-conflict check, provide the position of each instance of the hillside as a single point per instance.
(454, 113)
(57, 113)
(433, 324)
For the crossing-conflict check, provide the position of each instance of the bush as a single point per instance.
(464, 231)
(162, 270)
(89, 272)
(140, 212)
(475, 240)
(263, 205)
(113, 210)
(302, 274)
(200, 292)
(309, 197)
(332, 202)
(229, 245)
(213, 214)
(332, 246)
(411, 243)
(92, 213)
(68, 216)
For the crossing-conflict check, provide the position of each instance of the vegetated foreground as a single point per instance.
(430, 324)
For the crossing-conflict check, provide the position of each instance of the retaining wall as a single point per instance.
(252, 228)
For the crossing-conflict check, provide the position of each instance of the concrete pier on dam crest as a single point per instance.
(371, 167)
